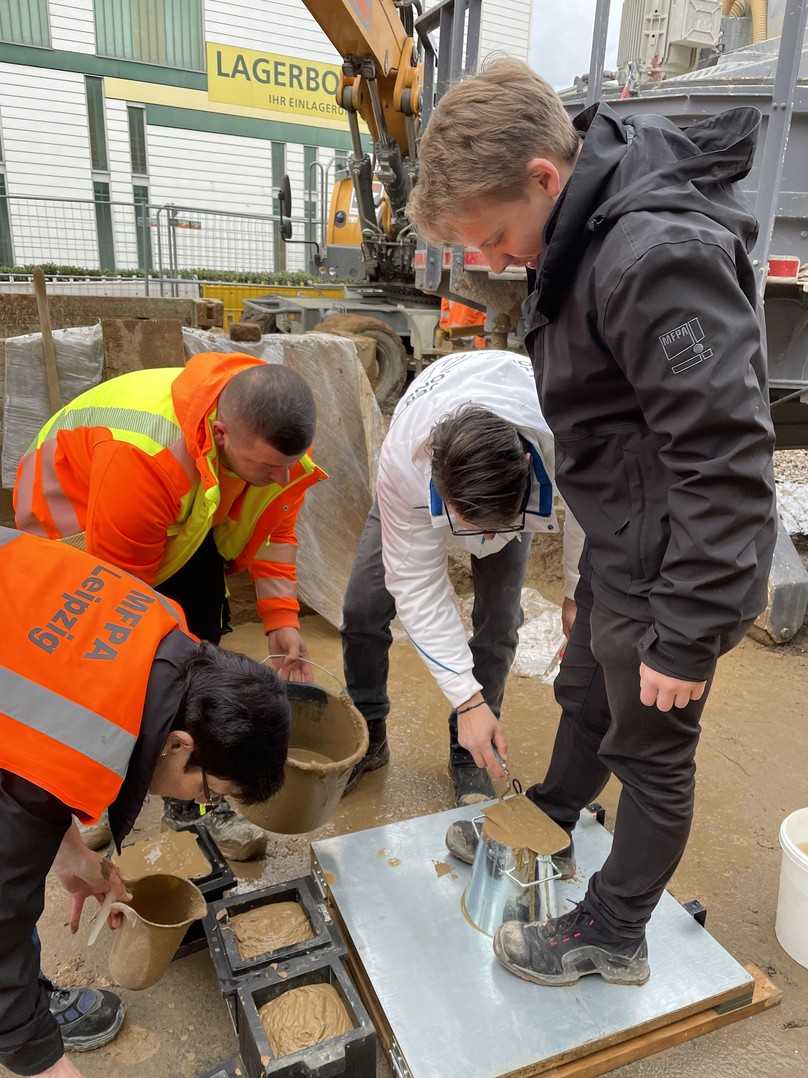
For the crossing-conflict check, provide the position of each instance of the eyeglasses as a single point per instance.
(211, 797)
(509, 529)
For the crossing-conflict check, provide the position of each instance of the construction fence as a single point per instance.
(134, 248)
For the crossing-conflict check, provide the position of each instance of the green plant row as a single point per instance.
(281, 277)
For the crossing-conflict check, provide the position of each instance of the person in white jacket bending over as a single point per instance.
(468, 461)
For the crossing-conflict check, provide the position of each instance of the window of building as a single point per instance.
(278, 170)
(25, 22)
(142, 223)
(94, 88)
(164, 32)
(137, 140)
(103, 223)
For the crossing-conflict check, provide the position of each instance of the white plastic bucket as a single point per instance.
(792, 903)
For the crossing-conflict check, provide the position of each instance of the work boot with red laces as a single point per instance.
(567, 948)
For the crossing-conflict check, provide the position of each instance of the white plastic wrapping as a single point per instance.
(79, 362)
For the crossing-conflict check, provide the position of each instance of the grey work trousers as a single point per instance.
(604, 729)
(369, 608)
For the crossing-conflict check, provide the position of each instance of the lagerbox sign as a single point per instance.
(274, 82)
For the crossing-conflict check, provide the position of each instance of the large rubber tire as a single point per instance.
(391, 355)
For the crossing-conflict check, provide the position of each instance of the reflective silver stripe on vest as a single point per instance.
(157, 427)
(8, 535)
(63, 720)
(60, 507)
(167, 606)
(24, 514)
(275, 588)
(283, 553)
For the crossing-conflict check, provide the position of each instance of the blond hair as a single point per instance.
(479, 140)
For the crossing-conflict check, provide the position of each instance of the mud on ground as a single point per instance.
(751, 773)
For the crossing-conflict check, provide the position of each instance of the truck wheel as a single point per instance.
(391, 355)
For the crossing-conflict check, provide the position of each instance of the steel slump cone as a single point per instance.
(156, 919)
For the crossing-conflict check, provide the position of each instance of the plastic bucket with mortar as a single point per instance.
(154, 922)
(328, 738)
(792, 903)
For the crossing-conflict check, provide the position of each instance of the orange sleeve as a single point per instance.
(130, 506)
(274, 572)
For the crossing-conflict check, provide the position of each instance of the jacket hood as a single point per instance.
(196, 391)
(646, 163)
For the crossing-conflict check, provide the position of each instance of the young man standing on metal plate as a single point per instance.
(467, 464)
(643, 323)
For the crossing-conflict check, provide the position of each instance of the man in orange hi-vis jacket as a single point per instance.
(178, 475)
(104, 696)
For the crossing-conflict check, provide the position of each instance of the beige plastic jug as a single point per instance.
(155, 920)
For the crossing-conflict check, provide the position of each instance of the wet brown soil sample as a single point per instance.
(803, 846)
(268, 928)
(518, 823)
(302, 1017)
(174, 852)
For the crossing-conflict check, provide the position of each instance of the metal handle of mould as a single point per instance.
(311, 662)
(542, 879)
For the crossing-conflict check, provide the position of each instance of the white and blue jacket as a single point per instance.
(416, 535)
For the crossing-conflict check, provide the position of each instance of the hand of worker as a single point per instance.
(667, 692)
(476, 730)
(63, 1069)
(569, 609)
(289, 643)
(84, 873)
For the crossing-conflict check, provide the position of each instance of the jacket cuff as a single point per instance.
(677, 660)
(457, 688)
(36, 1055)
(280, 619)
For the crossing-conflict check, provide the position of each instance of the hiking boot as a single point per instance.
(471, 783)
(180, 814)
(237, 838)
(87, 1017)
(462, 841)
(568, 948)
(378, 754)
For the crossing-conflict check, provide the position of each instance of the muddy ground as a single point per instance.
(752, 773)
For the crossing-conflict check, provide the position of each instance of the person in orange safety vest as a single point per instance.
(104, 696)
(179, 475)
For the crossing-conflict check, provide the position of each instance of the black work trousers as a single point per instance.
(605, 730)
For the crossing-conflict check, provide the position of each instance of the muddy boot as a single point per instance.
(180, 814)
(87, 1017)
(97, 835)
(461, 840)
(378, 754)
(237, 838)
(568, 948)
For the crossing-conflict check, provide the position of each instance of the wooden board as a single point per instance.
(766, 994)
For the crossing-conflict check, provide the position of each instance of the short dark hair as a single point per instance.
(274, 403)
(479, 466)
(237, 712)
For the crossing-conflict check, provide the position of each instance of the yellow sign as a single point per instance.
(272, 82)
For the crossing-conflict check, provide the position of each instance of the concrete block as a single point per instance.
(134, 344)
(245, 331)
(18, 313)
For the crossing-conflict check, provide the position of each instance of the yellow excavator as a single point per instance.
(391, 74)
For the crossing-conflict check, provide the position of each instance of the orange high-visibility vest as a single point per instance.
(76, 653)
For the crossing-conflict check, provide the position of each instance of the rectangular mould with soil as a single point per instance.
(352, 1054)
(214, 886)
(232, 970)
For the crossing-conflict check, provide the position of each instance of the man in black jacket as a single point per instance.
(644, 327)
(209, 723)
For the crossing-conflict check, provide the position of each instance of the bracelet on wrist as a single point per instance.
(464, 710)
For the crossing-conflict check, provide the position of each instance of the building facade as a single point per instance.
(113, 109)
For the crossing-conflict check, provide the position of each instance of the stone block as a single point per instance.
(135, 344)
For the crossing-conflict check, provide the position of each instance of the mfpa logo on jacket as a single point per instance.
(684, 346)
